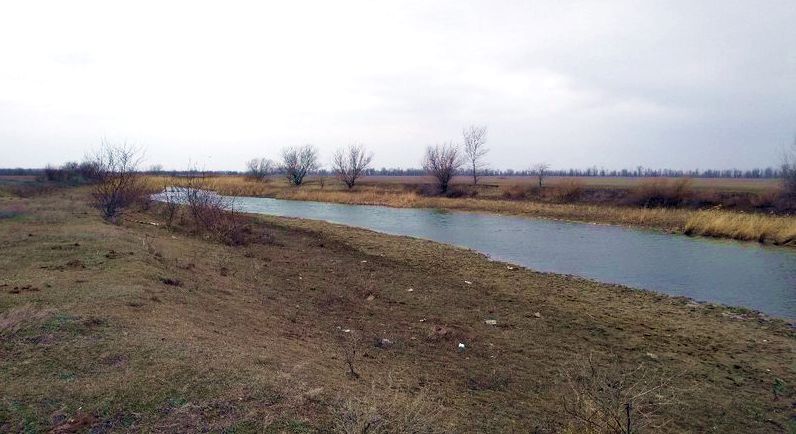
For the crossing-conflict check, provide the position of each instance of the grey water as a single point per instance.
(721, 271)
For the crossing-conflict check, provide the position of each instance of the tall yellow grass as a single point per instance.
(713, 223)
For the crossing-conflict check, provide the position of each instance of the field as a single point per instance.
(509, 197)
(724, 184)
(134, 326)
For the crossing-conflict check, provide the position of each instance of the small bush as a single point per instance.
(517, 191)
(117, 185)
(387, 410)
(607, 397)
(570, 190)
(662, 193)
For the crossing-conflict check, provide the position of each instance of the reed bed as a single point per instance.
(780, 230)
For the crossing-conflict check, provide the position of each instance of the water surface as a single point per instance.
(729, 272)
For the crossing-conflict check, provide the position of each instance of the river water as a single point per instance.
(728, 272)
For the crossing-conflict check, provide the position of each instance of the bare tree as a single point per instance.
(297, 162)
(540, 170)
(442, 162)
(789, 169)
(117, 182)
(259, 168)
(349, 163)
(475, 149)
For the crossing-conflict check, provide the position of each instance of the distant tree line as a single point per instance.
(766, 173)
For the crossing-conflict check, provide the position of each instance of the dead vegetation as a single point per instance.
(252, 348)
(612, 398)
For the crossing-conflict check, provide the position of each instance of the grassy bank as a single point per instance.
(137, 327)
(719, 223)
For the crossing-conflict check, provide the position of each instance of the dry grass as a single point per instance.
(715, 223)
(749, 227)
(246, 342)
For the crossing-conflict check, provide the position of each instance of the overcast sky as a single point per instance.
(577, 84)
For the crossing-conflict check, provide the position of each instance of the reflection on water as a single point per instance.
(728, 272)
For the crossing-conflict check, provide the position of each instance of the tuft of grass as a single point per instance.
(741, 226)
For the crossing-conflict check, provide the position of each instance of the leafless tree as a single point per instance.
(475, 149)
(349, 163)
(541, 171)
(117, 182)
(442, 162)
(297, 162)
(260, 168)
(789, 169)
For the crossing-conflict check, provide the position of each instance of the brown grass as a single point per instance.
(247, 341)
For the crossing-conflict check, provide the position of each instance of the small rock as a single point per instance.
(383, 343)
(371, 297)
(409, 290)
(537, 314)
(490, 322)
(652, 356)
(509, 267)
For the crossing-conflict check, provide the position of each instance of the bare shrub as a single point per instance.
(609, 398)
(298, 162)
(348, 342)
(475, 149)
(118, 184)
(349, 163)
(387, 409)
(72, 172)
(515, 191)
(569, 190)
(662, 193)
(211, 212)
(260, 168)
(442, 162)
(172, 201)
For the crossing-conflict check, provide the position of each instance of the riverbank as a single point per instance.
(758, 227)
(137, 327)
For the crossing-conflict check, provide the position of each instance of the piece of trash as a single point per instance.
(409, 290)
(490, 322)
(468, 282)
(371, 297)
(300, 277)
(423, 320)
(537, 314)
(652, 356)
(461, 346)
(363, 261)
(347, 331)
(510, 267)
